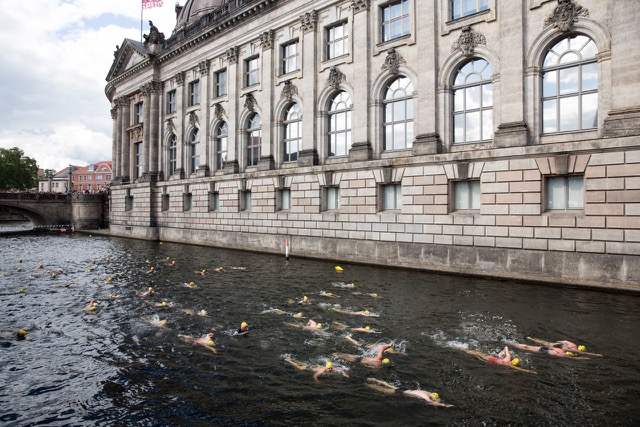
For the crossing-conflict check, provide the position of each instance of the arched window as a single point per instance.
(398, 114)
(292, 132)
(473, 103)
(173, 154)
(194, 151)
(570, 86)
(222, 133)
(254, 140)
(340, 125)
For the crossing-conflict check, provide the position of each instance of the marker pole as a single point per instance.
(286, 249)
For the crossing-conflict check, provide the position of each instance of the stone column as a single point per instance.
(206, 149)
(125, 165)
(179, 124)
(154, 129)
(234, 83)
(267, 159)
(116, 116)
(361, 139)
(146, 128)
(308, 155)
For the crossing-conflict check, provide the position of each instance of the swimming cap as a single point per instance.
(367, 328)
(150, 289)
(582, 348)
(192, 283)
(329, 365)
(92, 308)
(375, 295)
(385, 360)
(515, 362)
(319, 325)
(435, 396)
(22, 334)
(244, 325)
(297, 315)
(569, 353)
(164, 303)
(210, 342)
(366, 312)
(305, 298)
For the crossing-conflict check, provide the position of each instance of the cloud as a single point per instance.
(56, 55)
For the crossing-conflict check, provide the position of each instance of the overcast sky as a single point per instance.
(55, 57)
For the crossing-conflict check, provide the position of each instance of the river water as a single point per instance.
(114, 366)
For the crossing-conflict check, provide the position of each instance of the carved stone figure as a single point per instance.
(218, 111)
(308, 21)
(336, 77)
(289, 90)
(266, 39)
(393, 61)
(565, 15)
(232, 55)
(249, 102)
(154, 37)
(468, 41)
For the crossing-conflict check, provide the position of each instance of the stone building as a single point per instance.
(476, 136)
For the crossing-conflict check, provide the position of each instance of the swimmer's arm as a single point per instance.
(344, 374)
(317, 374)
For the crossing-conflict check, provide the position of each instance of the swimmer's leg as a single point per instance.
(296, 364)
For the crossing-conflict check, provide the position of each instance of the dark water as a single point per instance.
(111, 367)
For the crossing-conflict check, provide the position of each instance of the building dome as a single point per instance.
(194, 9)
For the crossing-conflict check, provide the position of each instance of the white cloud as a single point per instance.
(56, 55)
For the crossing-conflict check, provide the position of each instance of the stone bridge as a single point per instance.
(82, 211)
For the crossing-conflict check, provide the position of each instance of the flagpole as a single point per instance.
(141, 9)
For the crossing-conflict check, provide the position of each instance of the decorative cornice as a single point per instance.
(204, 67)
(359, 5)
(232, 55)
(193, 118)
(250, 102)
(565, 15)
(336, 77)
(266, 39)
(288, 90)
(393, 61)
(218, 111)
(468, 41)
(179, 78)
(308, 21)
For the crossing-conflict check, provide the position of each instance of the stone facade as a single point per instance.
(176, 99)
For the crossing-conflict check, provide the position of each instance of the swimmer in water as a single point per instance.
(328, 294)
(564, 345)
(155, 321)
(367, 329)
(503, 358)
(146, 293)
(243, 329)
(206, 341)
(355, 313)
(551, 351)
(326, 370)
(304, 301)
(432, 398)
(377, 361)
(92, 305)
(344, 285)
(163, 304)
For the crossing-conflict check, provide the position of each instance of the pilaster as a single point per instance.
(361, 133)
(308, 154)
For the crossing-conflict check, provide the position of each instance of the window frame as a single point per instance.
(245, 201)
(173, 153)
(333, 117)
(222, 145)
(484, 106)
(408, 124)
(567, 193)
(461, 3)
(385, 206)
(222, 88)
(331, 41)
(331, 202)
(194, 150)
(252, 74)
(284, 199)
(472, 185)
(171, 102)
(254, 131)
(292, 122)
(387, 24)
(138, 113)
(290, 61)
(194, 93)
(138, 155)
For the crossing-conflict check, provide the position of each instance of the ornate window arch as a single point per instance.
(221, 144)
(339, 120)
(194, 150)
(472, 102)
(569, 83)
(397, 120)
(292, 138)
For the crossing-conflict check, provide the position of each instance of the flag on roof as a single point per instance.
(148, 4)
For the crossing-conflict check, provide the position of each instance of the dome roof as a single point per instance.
(194, 9)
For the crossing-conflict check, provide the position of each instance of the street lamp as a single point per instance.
(69, 185)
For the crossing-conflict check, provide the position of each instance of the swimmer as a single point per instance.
(432, 398)
(151, 270)
(201, 272)
(21, 335)
(68, 285)
(305, 300)
(565, 345)
(278, 311)
(155, 321)
(356, 313)
(206, 341)
(203, 313)
(353, 341)
(503, 358)
(326, 370)
(344, 285)
(243, 329)
(219, 269)
(191, 285)
(92, 305)
(551, 351)
(163, 304)
(146, 293)
(377, 361)
(239, 268)
(311, 325)
(328, 294)
(367, 329)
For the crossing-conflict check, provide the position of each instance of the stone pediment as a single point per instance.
(127, 56)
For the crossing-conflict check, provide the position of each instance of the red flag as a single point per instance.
(148, 4)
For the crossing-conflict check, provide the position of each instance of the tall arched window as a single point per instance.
(340, 125)
(222, 133)
(173, 154)
(473, 103)
(398, 114)
(292, 132)
(570, 86)
(194, 151)
(254, 139)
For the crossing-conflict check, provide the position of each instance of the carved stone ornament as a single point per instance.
(266, 39)
(393, 61)
(193, 119)
(468, 41)
(121, 102)
(204, 67)
(232, 55)
(308, 21)
(359, 5)
(154, 38)
(170, 127)
(179, 78)
(565, 15)
(114, 113)
(155, 86)
(249, 102)
(336, 77)
(218, 111)
(146, 89)
(289, 90)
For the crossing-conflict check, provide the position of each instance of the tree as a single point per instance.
(17, 172)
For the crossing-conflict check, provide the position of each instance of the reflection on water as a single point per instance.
(135, 361)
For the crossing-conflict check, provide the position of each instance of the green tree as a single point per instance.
(17, 172)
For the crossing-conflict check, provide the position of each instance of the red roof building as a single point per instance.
(92, 178)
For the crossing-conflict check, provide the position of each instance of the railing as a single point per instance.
(33, 196)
